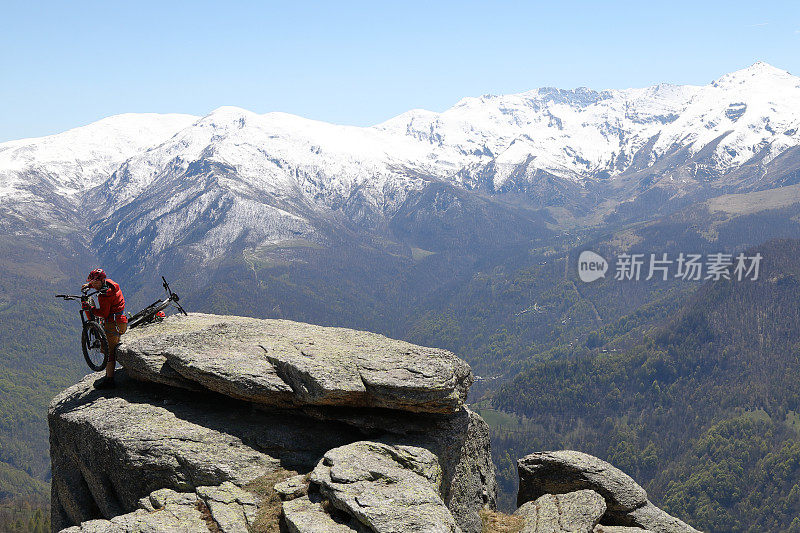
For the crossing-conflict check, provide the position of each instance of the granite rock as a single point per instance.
(558, 472)
(564, 471)
(225, 509)
(386, 488)
(307, 514)
(573, 512)
(211, 401)
(283, 363)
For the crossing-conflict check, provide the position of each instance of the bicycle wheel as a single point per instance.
(181, 308)
(95, 345)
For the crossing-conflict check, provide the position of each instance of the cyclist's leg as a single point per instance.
(113, 332)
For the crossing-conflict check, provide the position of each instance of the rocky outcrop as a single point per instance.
(206, 405)
(386, 487)
(280, 363)
(224, 508)
(348, 431)
(567, 472)
(562, 513)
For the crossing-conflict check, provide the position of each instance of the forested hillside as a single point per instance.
(703, 409)
(41, 355)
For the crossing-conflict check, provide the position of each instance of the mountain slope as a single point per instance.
(719, 373)
(81, 158)
(580, 136)
(457, 229)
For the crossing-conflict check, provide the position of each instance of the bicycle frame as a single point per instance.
(147, 314)
(144, 316)
(93, 338)
(86, 314)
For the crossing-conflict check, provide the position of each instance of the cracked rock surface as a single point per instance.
(574, 512)
(231, 508)
(281, 362)
(385, 488)
(225, 508)
(307, 514)
(292, 488)
(566, 471)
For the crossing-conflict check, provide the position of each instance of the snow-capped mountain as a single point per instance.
(151, 182)
(84, 157)
(575, 134)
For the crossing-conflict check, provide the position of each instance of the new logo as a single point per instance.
(591, 266)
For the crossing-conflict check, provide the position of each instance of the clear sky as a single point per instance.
(66, 64)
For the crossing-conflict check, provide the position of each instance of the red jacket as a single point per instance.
(111, 302)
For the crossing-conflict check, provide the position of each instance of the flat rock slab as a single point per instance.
(386, 488)
(294, 487)
(231, 508)
(657, 520)
(184, 518)
(307, 515)
(285, 363)
(574, 512)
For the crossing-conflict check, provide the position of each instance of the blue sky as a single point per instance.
(65, 64)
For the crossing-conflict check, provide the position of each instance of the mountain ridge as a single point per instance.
(504, 128)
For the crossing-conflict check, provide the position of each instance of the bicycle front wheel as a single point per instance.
(95, 345)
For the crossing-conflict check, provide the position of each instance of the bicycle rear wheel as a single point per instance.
(95, 345)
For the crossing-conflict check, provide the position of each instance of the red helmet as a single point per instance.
(97, 273)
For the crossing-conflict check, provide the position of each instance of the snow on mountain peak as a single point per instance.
(759, 74)
(572, 133)
(764, 68)
(744, 112)
(83, 157)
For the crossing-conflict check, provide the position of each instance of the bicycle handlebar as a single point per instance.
(82, 297)
(145, 313)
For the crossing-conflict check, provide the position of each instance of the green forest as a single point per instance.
(702, 410)
(40, 358)
(691, 388)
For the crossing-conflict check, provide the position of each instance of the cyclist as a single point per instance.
(112, 311)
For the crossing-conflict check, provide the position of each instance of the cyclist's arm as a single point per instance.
(104, 301)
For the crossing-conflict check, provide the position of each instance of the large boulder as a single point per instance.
(159, 429)
(565, 471)
(285, 363)
(386, 488)
(573, 512)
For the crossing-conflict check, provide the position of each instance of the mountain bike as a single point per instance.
(154, 311)
(94, 342)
